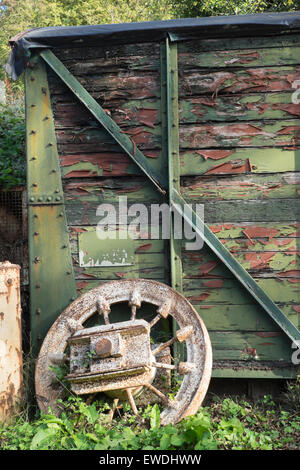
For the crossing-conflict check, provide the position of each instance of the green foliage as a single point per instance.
(196, 8)
(225, 424)
(12, 148)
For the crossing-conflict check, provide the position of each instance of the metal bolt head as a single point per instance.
(103, 348)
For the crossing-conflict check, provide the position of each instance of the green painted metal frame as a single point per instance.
(176, 199)
(169, 100)
(52, 284)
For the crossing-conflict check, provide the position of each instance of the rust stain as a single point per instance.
(264, 334)
(214, 154)
(232, 167)
(253, 232)
(78, 229)
(203, 296)
(259, 259)
(145, 247)
(120, 275)
(216, 283)
(207, 267)
(293, 109)
(296, 308)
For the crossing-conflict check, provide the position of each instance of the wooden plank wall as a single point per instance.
(125, 80)
(239, 152)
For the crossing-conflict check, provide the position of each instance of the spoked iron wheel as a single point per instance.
(120, 358)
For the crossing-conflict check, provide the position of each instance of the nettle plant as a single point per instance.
(12, 147)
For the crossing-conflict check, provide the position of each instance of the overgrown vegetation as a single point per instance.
(228, 423)
(12, 148)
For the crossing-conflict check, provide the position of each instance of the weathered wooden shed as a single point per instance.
(196, 110)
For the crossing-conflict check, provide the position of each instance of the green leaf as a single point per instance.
(155, 417)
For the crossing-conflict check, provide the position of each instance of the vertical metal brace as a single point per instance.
(170, 135)
(169, 97)
(52, 282)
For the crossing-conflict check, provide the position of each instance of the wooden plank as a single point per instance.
(91, 139)
(270, 371)
(263, 57)
(247, 317)
(240, 160)
(204, 263)
(245, 80)
(240, 134)
(265, 230)
(224, 291)
(239, 346)
(82, 212)
(110, 86)
(125, 113)
(109, 190)
(201, 45)
(201, 189)
(112, 55)
(252, 210)
(238, 107)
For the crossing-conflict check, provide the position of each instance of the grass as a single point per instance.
(226, 423)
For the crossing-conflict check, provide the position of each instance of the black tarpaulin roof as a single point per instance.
(208, 27)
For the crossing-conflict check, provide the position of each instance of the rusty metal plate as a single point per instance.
(94, 252)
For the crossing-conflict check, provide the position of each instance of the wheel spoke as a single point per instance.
(113, 409)
(181, 335)
(161, 365)
(155, 320)
(132, 402)
(157, 392)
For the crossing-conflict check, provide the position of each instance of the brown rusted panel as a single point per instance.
(11, 374)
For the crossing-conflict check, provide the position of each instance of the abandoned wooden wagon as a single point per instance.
(182, 112)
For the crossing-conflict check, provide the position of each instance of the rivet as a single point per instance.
(32, 105)
(37, 286)
(34, 185)
(69, 272)
(33, 158)
(38, 311)
(49, 198)
(64, 246)
(73, 298)
(50, 144)
(40, 198)
(31, 199)
(57, 198)
(37, 259)
(56, 191)
(33, 132)
(61, 214)
(32, 79)
(46, 118)
(44, 90)
(36, 233)
(35, 216)
(53, 171)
